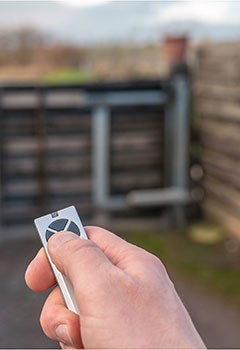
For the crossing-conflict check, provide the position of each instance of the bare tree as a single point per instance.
(18, 46)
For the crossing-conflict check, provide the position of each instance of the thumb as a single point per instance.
(83, 262)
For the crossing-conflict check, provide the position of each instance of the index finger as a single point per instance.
(39, 275)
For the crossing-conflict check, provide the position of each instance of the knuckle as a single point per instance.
(130, 286)
(157, 263)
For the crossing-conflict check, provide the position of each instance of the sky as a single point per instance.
(212, 11)
(207, 11)
(105, 21)
(217, 11)
(83, 3)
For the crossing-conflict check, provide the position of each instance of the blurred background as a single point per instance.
(129, 110)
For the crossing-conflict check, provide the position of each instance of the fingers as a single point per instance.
(114, 247)
(126, 256)
(60, 324)
(39, 275)
(83, 262)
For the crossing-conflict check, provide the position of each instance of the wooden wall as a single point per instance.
(217, 114)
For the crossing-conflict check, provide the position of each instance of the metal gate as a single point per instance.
(112, 147)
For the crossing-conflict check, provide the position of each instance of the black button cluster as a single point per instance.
(62, 225)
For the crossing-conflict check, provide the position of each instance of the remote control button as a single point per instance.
(49, 234)
(62, 225)
(73, 228)
(58, 225)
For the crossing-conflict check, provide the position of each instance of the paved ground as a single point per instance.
(217, 322)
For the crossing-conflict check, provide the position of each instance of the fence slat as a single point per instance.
(217, 105)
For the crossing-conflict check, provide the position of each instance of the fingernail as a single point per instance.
(63, 335)
(58, 239)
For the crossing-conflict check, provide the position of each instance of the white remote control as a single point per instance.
(63, 220)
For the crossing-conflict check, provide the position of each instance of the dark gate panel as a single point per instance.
(47, 145)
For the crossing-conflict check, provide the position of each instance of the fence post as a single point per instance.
(101, 159)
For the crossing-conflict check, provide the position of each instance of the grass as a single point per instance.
(68, 76)
(209, 267)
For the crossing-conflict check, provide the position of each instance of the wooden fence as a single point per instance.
(217, 110)
(47, 146)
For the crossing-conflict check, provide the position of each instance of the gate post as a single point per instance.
(180, 140)
(101, 160)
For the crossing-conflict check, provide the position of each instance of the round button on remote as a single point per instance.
(73, 228)
(58, 225)
(62, 225)
(49, 234)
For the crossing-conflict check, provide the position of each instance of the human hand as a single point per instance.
(125, 297)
